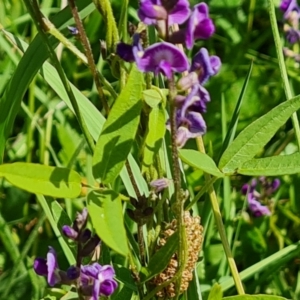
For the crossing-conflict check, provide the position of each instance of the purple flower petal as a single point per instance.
(107, 287)
(96, 289)
(257, 209)
(52, 266)
(69, 232)
(205, 65)
(191, 126)
(199, 26)
(161, 57)
(275, 184)
(293, 36)
(151, 11)
(73, 272)
(196, 124)
(125, 51)
(160, 184)
(40, 266)
(179, 13)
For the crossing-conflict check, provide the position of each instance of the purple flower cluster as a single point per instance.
(92, 280)
(291, 13)
(255, 198)
(167, 59)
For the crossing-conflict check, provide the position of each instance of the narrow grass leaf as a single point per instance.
(105, 209)
(200, 161)
(254, 137)
(40, 179)
(272, 166)
(119, 130)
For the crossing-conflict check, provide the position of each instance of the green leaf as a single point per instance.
(160, 260)
(45, 180)
(152, 97)
(200, 161)
(119, 130)
(215, 293)
(105, 210)
(255, 297)
(154, 138)
(254, 137)
(272, 166)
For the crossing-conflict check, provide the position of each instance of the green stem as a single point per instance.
(221, 229)
(89, 54)
(181, 257)
(282, 67)
(39, 20)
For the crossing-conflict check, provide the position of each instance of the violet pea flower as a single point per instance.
(102, 278)
(199, 26)
(173, 11)
(162, 58)
(48, 267)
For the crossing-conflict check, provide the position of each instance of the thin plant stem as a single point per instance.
(38, 18)
(221, 229)
(89, 54)
(181, 257)
(282, 67)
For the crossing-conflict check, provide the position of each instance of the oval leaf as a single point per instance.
(40, 179)
(272, 166)
(105, 210)
(254, 137)
(200, 161)
(119, 130)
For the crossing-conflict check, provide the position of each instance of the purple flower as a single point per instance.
(125, 51)
(161, 57)
(204, 65)
(160, 184)
(189, 125)
(199, 26)
(174, 11)
(48, 267)
(292, 35)
(101, 278)
(287, 6)
(257, 209)
(254, 198)
(70, 232)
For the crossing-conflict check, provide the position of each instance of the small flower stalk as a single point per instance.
(91, 281)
